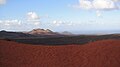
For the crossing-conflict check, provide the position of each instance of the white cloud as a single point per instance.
(62, 22)
(98, 13)
(58, 23)
(2, 2)
(33, 17)
(98, 4)
(0, 21)
(7, 24)
(85, 4)
(115, 0)
(36, 23)
(10, 22)
(70, 23)
(104, 5)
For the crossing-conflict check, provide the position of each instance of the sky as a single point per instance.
(75, 16)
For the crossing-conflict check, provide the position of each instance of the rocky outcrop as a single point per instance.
(42, 32)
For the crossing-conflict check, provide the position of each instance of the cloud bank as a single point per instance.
(10, 22)
(2, 2)
(99, 4)
(62, 22)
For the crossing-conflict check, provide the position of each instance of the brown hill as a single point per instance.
(105, 53)
(42, 32)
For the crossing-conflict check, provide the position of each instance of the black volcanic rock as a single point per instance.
(7, 34)
(3, 31)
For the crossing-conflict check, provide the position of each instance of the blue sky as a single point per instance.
(60, 15)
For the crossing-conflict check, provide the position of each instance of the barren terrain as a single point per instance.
(104, 53)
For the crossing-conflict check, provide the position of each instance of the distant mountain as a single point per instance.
(35, 33)
(48, 32)
(67, 33)
(42, 32)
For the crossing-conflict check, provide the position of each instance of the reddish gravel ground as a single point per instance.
(104, 53)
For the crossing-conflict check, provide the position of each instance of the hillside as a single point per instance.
(10, 35)
(35, 33)
(66, 40)
(104, 53)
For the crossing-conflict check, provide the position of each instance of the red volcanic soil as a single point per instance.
(104, 53)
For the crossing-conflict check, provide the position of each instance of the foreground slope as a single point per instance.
(105, 53)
